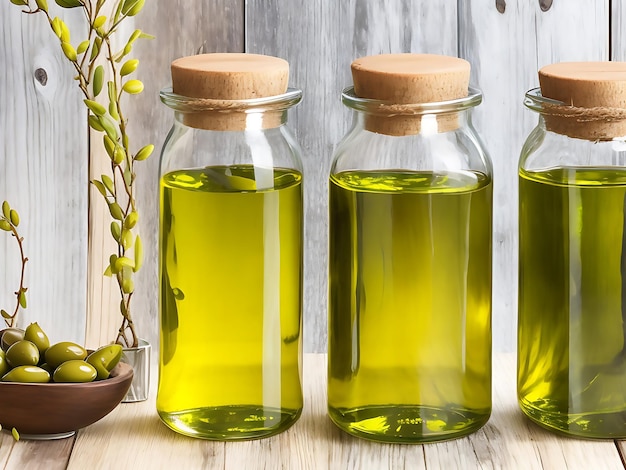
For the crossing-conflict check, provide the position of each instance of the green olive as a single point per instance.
(36, 335)
(10, 336)
(4, 365)
(75, 371)
(58, 353)
(27, 374)
(105, 359)
(22, 353)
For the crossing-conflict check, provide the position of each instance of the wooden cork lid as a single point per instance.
(410, 79)
(228, 76)
(600, 87)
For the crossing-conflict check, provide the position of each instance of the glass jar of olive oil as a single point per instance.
(230, 250)
(410, 255)
(572, 252)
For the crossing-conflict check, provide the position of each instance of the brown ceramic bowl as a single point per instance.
(56, 410)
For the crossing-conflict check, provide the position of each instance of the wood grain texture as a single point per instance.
(180, 28)
(133, 434)
(618, 34)
(505, 51)
(43, 173)
(42, 129)
(319, 40)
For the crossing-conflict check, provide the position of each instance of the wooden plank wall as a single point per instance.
(505, 41)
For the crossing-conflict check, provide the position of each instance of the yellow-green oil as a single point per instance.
(410, 304)
(572, 300)
(231, 301)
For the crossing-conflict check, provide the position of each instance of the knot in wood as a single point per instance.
(41, 76)
(545, 4)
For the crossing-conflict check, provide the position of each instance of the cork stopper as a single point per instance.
(593, 96)
(223, 77)
(410, 79)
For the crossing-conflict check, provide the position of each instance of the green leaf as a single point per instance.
(100, 187)
(14, 217)
(5, 225)
(133, 87)
(131, 220)
(108, 183)
(5, 314)
(109, 127)
(96, 108)
(69, 3)
(95, 50)
(144, 152)
(94, 123)
(128, 286)
(116, 231)
(128, 177)
(138, 254)
(22, 298)
(98, 80)
(65, 32)
(133, 37)
(178, 294)
(113, 111)
(116, 211)
(42, 5)
(109, 145)
(82, 47)
(99, 21)
(132, 7)
(22, 3)
(122, 262)
(56, 26)
(119, 155)
(127, 239)
(113, 264)
(15, 434)
(107, 272)
(6, 210)
(129, 67)
(112, 90)
(69, 51)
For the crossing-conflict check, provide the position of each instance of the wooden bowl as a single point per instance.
(56, 410)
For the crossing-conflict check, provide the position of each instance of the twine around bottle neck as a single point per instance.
(592, 123)
(229, 115)
(400, 119)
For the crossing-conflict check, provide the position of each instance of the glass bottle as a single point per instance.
(572, 252)
(230, 250)
(410, 255)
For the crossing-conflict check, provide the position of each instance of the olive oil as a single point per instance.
(572, 300)
(410, 304)
(231, 301)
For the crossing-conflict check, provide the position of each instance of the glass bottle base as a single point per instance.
(226, 423)
(407, 424)
(599, 425)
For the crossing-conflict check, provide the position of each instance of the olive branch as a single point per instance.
(9, 220)
(92, 59)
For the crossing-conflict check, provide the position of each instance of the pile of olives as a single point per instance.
(27, 356)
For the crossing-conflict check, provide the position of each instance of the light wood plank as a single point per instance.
(320, 39)
(43, 173)
(133, 434)
(506, 50)
(181, 28)
(35, 455)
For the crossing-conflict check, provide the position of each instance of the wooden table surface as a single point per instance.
(132, 437)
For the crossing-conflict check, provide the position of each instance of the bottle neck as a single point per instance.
(399, 119)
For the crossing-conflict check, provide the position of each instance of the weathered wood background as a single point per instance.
(45, 152)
